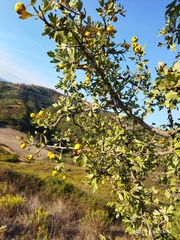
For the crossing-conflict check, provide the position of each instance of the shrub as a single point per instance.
(11, 205)
(39, 223)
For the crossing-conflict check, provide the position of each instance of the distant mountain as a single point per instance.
(17, 101)
(3, 80)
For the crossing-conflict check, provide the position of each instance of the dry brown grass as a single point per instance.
(54, 209)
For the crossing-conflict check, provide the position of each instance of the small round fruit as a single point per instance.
(54, 173)
(23, 145)
(30, 157)
(134, 45)
(89, 155)
(126, 45)
(20, 8)
(134, 39)
(32, 115)
(137, 49)
(111, 30)
(74, 153)
(64, 177)
(77, 146)
(52, 156)
(114, 19)
(87, 34)
(41, 113)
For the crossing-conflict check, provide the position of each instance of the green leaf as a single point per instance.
(177, 145)
(171, 94)
(101, 2)
(167, 194)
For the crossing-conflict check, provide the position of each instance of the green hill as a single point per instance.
(17, 101)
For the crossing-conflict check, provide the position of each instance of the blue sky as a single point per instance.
(23, 50)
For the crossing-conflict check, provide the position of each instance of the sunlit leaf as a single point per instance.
(26, 15)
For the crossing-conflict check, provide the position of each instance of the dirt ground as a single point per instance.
(10, 143)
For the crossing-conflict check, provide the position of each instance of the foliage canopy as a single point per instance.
(121, 147)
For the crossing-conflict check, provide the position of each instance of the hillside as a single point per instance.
(17, 101)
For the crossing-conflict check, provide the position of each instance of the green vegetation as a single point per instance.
(120, 150)
(46, 207)
(17, 101)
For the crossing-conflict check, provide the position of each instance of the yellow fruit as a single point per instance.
(32, 115)
(30, 157)
(134, 45)
(87, 34)
(89, 155)
(64, 177)
(88, 79)
(137, 49)
(134, 39)
(51, 155)
(20, 8)
(111, 30)
(161, 141)
(77, 146)
(100, 30)
(23, 145)
(61, 65)
(41, 113)
(45, 131)
(55, 173)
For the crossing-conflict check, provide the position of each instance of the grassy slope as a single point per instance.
(17, 101)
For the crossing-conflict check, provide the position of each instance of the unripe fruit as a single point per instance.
(134, 39)
(20, 8)
(114, 19)
(126, 45)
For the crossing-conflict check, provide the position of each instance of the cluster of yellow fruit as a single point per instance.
(51, 155)
(136, 47)
(40, 114)
(161, 141)
(110, 30)
(55, 173)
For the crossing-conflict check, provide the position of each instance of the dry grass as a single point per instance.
(53, 208)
